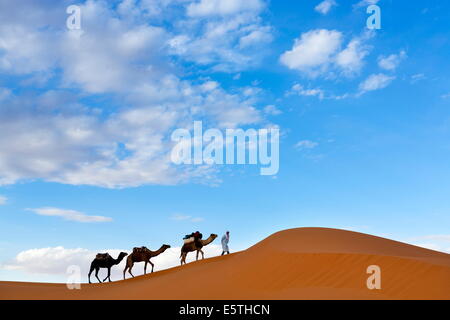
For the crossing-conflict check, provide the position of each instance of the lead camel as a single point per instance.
(195, 246)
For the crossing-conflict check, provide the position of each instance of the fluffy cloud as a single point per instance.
(318, 52)
(440, 242)
(70, 215)
(205, 8)
(3, 200)
(52, 260)
(272, 110)
(56, 260)
(351, 58)
(225, 35)
(375, 82)
(300, 90)
(4, 93)
(128, 148)
(392, 61)
(24, 48)
(119, 58)
(180, 217)
(325, 6)
(306, 144)
(365, 3)
(438, 237)
(313, 51)
(417, 77)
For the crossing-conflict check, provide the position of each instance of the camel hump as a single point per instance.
(102, 256)
(139, 249)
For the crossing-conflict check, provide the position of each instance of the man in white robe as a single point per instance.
(225, 240)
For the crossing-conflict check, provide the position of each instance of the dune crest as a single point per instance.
(305, 263)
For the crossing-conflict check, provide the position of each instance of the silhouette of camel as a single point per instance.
(104, 260)
(142, 254)
(195, 246)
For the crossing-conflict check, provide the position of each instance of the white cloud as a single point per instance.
(222, 7)
(70, 215)
(228, 43)
(180, 217)
(225, 34)
(365, 3)
(56, 260)
(437, 242)
(25, 50)
(313, 51)
(256, 37)
(351, 58)
(54, 137)
(306, 144)
(432, 246)
(3, 200)
(91, 59)
(417, 77)
(52, 260)
(300, 90)
(325, 6)
(392, 61)
(318, 52)
(79, 148)
(272, 110)
(131, 147)
(375, 82)
(4, 93)
(438, 237)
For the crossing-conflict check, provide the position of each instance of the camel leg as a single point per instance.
(96, 274)
(108, 276)
(183, 258)
(145, 267)
(151, 264)
(129, 269)
(196, 257)
(90, 272)
(203, 256)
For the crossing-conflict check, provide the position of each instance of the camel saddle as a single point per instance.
(188, 240)
(102, 256)
(139, 249)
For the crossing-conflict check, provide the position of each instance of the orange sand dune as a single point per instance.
(307, 263)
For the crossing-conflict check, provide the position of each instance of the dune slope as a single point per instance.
(306, 263)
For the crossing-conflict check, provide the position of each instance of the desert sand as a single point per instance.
(305, 263)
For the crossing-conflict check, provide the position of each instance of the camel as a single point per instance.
(104, 260)
(142, 254)
(195, 246)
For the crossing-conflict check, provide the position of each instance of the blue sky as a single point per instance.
(86, 117)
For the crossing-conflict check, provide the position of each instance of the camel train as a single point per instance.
(192, 242)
